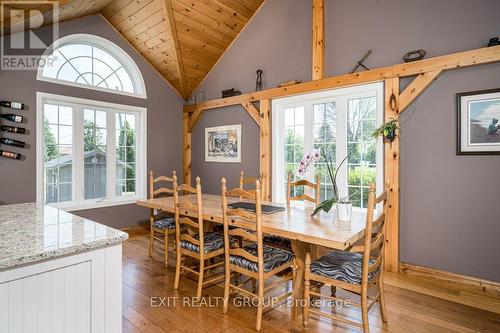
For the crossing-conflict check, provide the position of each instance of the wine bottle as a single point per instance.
(12, 142)
(13, 129)
(12, 117)
(12, 105)
(9, 154)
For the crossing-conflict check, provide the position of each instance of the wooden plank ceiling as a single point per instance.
(39, 12)
(182, 39)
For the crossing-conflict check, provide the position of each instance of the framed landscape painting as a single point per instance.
(478, 130)
(223, 144)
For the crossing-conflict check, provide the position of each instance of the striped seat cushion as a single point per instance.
(277, 241)
(342, 266)
(273, 258)
(165, 223)
(213, 241)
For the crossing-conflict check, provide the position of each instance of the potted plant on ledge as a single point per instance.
(388, 131)
(343, 205)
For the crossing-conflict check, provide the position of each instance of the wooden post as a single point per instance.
(265, 148)
(392, 178)
(318, 36)
(186, 159)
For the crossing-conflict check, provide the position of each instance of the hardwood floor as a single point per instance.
(146, 284)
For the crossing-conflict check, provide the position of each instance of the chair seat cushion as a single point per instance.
(165, 223)
(213, 241)
(277, 241)
(220, 228)
(273, 258)
(342, 266)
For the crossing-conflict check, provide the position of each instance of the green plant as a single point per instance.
(388, 130)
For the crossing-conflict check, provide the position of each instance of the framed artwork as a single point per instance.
(223, 144)
(478, 122)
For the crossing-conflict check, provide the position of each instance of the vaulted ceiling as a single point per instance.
(181, 39)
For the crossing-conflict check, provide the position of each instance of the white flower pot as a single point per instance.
(344, 211)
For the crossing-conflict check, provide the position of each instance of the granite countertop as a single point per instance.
(29, 234)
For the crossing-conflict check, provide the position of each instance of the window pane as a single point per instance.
(88, 65)
(58, 153)
(361, 148)
(125, 154)
(95, 159)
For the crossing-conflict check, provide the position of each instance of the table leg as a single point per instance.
(299, 249)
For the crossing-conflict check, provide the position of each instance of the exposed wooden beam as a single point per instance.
(318, 39)
(186, 149)
(415, 88)
(193, 119)
(252, 111)
(265, 148)
(391, 172)
(173, 33)
(447, 62)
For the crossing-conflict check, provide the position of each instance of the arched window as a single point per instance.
(91, 62)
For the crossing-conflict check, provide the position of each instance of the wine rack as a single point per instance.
(10, 124)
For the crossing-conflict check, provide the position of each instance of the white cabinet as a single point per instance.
(78, 293)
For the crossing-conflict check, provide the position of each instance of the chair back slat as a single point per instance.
(193, 222)
(316, 187)
(237, 192)
(303, 197)
(238, 218)
(186, 188)
(374, 242)
(187, 221)
(244, 181)
(242, 253)
(240, 213)
(243, 234)
(162, 190)
(189, 238)
(152, 181)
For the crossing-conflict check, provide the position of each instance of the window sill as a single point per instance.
(71, 206)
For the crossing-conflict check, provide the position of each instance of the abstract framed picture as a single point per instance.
(478, 122)
(223, 144)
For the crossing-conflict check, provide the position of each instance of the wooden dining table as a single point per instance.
(294, 223)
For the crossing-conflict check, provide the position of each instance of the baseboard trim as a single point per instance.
(475, 292)
(440, 275)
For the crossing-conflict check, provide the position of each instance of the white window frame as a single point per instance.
(78, 203)
(340, 97)
(110, 47)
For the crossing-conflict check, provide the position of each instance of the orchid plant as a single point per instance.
(315, 157)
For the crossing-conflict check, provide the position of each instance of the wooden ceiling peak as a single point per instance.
(181, 39)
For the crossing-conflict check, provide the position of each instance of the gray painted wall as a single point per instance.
(449, 215)
(164, 119)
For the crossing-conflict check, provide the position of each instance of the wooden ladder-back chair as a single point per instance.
(161, 225)
(191, 237)
(256, 261)
(245, 181)
(303, 197)
(355, 270)
(282, 242)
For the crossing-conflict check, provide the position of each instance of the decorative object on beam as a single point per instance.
(288, 83)
(414, 55)
(258, 82)
(388, 131)
(493, 41)
(361, 63)
(478, 127)
(230, 92)
(223, 144)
